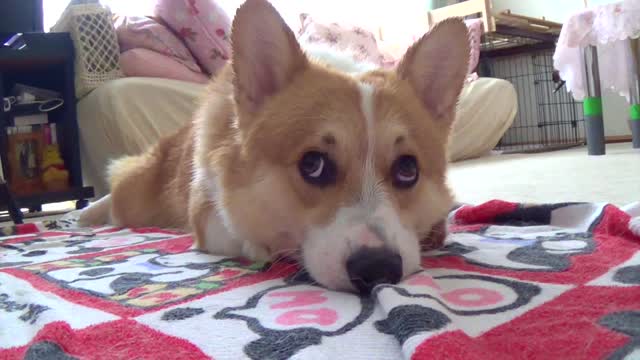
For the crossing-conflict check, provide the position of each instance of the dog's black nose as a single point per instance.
(369, 267)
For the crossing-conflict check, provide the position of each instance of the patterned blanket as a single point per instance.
(513, 281)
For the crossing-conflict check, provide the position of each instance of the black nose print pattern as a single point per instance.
(369, 267)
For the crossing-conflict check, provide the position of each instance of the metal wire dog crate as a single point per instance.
(519, 49)
(548, 117)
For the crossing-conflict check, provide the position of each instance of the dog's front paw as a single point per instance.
(97, 213)
(255, 252)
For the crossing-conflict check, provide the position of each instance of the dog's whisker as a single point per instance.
(287, 252)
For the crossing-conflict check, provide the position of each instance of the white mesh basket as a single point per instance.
(97, 54)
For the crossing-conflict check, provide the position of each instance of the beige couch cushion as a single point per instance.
(486, 110)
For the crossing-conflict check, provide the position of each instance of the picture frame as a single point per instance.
(25, 157)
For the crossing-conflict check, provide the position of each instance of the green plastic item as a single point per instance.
(634, 112)
(592, 106)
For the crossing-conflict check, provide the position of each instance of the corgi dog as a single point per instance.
(289, 155)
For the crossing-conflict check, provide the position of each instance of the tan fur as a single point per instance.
(152, 189)
(245, 147)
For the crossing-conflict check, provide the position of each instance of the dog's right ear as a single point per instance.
(266, 54)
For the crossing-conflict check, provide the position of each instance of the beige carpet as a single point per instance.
(567, 175)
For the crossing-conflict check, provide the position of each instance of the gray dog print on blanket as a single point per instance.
(534, 248)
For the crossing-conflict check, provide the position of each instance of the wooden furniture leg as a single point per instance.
(12, 207)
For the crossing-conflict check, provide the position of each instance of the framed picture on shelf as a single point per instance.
(25, 156)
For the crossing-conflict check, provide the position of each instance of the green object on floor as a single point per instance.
(634, 112)
(208, 285)
(592, 106)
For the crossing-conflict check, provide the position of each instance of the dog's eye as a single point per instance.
(317, 169)
(404, 172)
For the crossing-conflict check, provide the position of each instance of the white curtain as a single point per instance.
(400, 21)
(367, 13)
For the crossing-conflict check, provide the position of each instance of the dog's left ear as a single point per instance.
(266, 54)
(436, 66)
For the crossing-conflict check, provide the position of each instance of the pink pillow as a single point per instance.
(203, 26)
(349, 38)
(143, 32)
(148, 63)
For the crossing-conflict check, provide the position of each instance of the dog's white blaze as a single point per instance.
(374, 201)
(327, 248)
(370, 187)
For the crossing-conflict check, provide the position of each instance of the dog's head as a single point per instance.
(347, 171)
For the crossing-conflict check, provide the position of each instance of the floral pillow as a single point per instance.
(203, 26)
(147, 63)
(145, 33)
(360, 42)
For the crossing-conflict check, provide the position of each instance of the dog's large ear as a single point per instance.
(436, 66)
(266, 54)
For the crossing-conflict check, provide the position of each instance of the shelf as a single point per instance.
(25, 59)
(24, 109)
(43, 50)
(38, 199)
(48, 63)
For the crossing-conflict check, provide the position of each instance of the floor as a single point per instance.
(560, 176)
(50, 212)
